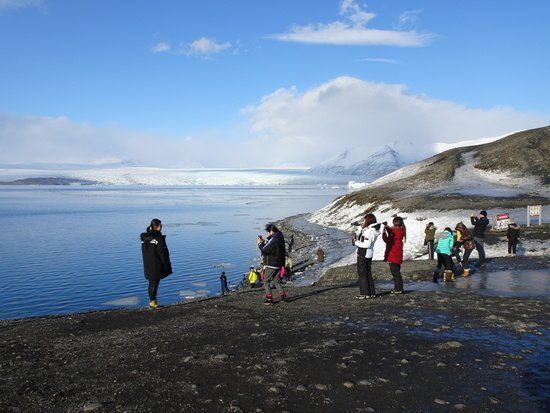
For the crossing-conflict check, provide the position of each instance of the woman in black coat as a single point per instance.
(156, 258)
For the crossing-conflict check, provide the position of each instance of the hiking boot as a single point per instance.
(268, 301)
(361, 297)
(283, 299)
(397, 292)
(153, 304)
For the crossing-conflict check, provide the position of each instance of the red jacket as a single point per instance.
(393, 237)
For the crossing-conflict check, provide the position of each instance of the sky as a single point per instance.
(213, 83)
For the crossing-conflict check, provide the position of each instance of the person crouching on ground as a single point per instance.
(273, 249)
(395, 237)
(444, 252)
(512, 234)
(252, 277)
(364, 239)
(467, 243)
(156, 258)
(223, 283)
(429, 239)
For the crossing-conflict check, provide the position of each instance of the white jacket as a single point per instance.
(366, 238)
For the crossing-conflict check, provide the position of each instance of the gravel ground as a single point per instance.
(322, 351)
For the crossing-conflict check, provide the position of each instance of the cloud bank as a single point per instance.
(352, 30)
(286, 128)
(20, 4)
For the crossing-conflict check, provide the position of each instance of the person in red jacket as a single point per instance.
(394, 237)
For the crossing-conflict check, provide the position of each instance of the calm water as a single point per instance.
(68, 249)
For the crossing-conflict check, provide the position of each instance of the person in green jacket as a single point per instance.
(444, 252)
(429, 239)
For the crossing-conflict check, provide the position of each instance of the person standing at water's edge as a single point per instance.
(223, 283)
(156, 258)
(273, 249)
(395, 237)
(364, 239)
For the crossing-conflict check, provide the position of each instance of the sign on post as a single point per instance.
(503, 220)
(534, 211)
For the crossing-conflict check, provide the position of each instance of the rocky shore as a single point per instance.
(430, 350)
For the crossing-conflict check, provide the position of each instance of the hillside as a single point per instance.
(501, 176)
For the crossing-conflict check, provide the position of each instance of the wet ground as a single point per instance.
(425, 351)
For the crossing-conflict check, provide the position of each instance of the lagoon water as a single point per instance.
(68, 249)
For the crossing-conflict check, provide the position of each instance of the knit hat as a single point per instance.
(483, 212)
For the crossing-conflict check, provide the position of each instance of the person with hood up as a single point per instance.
(156, 258)
(274, 251)
(364, 239)
(223, 284)
(465, 237)
(512, 234)
(429, 239)
(253, 277)
(444, 251)
(480, 224)
(395, 237)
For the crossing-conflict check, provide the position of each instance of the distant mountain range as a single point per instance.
(354, 162)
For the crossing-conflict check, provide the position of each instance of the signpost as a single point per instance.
(503, 220)
(534, 211)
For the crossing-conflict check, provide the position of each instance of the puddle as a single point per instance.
(510, 283)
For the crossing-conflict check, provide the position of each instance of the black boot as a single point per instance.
(435, 277)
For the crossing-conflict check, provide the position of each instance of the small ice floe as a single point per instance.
(199, 284)
(223, 265)
(123, 301)
(201, 224)
(192, 294)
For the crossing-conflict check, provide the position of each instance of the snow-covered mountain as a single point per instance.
(355, 162)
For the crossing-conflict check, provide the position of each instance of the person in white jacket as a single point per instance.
(364, 239)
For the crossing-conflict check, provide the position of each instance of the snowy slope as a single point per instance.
(500, 176)
(357, 162)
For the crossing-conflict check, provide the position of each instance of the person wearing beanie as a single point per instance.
(480, 223)
(513, 238)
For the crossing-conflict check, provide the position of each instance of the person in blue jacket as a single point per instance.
(444, 252)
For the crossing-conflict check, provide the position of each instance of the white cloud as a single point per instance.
(286, 127)
(352, 31)
(346, 112)
(379, 60)
(161, 47)
(205, 47)
(408, 19)
(20, 4)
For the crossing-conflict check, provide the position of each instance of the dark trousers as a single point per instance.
(512, 245)
(366, 283)
(430, 249)
(153, 288)
(456, 251)
(395, 270)
(272, 277)
(444, 260)
(467, 253)
(479, 242)
(224, 287)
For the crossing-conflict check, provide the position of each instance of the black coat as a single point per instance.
(480, 225)
(156, 258)
(513, 234)
(274, 250)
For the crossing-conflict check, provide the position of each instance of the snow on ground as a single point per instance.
(357, 185)
(416, 223)
(469, 180)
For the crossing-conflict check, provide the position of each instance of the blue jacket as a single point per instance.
(445, 244)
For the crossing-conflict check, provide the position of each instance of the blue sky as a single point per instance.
(187, 69)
